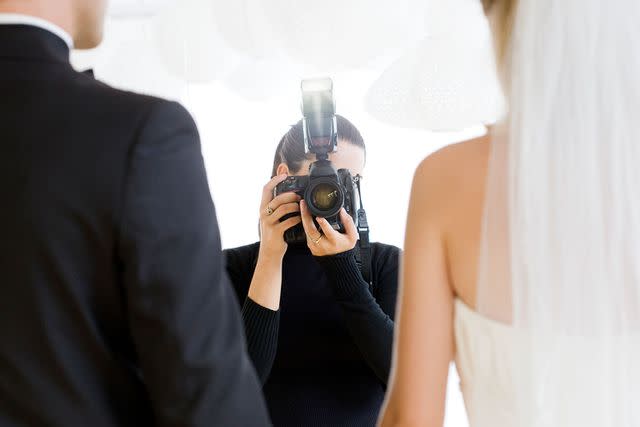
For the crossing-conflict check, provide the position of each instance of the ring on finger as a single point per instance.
(317, 241)
(269, 210)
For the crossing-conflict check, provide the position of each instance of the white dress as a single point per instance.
(492, 360)
(485, 368)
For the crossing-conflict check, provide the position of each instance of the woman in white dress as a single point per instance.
(522, 251)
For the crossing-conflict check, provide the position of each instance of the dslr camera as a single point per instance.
(325, 190)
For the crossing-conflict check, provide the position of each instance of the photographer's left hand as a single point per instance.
(328, 241)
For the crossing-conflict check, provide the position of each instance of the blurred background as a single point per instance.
(413, 76)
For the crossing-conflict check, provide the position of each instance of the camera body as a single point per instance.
(338, 194)
(325, 190)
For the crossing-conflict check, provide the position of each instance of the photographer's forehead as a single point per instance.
(349, 156)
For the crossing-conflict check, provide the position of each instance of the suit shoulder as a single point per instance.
(127, 105)
(102, 90)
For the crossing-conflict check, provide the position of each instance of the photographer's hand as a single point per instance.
(267, 277)
(272, 210)
(327, 241)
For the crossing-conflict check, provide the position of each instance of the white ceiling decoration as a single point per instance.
(447, 81)
(136, 8)
(189, 44)
(433, 57)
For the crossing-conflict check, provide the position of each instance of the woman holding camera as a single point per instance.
(319, 335)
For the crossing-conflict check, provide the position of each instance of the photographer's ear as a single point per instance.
(283, 169)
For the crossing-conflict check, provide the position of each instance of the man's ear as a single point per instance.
(283, 169)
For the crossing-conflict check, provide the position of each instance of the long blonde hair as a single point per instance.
(561, 236)
(502, 12)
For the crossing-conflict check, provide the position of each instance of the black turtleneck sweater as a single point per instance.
(324, 357)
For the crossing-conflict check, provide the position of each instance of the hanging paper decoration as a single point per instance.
(188, 43)
(446, 82)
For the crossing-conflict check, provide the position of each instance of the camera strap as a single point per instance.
(364, 245)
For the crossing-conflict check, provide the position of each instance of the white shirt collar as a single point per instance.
(18, 19)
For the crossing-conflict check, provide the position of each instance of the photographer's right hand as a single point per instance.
(272, 243)
(267, 277)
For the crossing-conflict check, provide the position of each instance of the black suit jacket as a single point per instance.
(114, 306)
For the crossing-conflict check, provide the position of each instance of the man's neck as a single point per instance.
(56, 12)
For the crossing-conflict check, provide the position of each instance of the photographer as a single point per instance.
(319, 335)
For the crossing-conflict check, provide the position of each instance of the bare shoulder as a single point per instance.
(448, 199)
(455, 158)
(454, 165)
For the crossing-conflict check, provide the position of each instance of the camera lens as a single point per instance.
(325, 197)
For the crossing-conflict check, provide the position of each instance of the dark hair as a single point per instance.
(291, 151)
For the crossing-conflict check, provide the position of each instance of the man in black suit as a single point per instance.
(114, 308)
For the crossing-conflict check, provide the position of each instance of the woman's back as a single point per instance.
(460, 170)
(493, 357)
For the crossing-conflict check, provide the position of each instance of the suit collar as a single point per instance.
(20, 19)
(31, 43)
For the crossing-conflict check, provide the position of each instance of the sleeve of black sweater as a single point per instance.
(369, 318)
(261, 328)
(260, 324)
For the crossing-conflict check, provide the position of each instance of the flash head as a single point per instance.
(318, 117)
